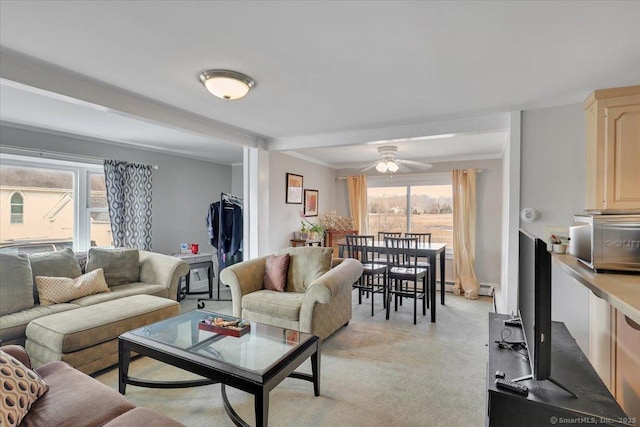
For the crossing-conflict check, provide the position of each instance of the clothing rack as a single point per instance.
(226, 202)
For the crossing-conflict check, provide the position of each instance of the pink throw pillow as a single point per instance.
(275, 272)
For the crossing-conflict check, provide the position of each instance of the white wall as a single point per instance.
(553, 175)
(237, 180)
(182, 188)
(489, 210)
(284, 218)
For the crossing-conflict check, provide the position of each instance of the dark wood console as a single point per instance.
(547, 404)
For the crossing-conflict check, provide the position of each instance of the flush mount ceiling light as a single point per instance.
(226, 84)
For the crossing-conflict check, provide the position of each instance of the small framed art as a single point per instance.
(294, 189)
(310, 202)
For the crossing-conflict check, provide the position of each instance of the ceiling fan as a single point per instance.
(390, 164)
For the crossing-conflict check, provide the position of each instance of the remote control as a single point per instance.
(512, 323)
(511, 386)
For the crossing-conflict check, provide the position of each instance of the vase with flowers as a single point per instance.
(313, 231)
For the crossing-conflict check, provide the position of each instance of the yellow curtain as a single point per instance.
(464, 233)
(357, 186)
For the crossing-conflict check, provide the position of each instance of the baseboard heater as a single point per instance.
(486, 289)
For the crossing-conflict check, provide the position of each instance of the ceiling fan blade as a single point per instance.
(371, 166)
(411, 163)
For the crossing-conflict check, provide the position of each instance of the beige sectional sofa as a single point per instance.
(317, 298)
(142, 289)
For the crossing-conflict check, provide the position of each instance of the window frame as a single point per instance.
(11, 204)
(409, 181)
(81, 190)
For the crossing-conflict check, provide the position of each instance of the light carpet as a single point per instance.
(374, 372)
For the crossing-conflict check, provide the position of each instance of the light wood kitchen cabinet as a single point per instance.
(627, 366)
(613, 148)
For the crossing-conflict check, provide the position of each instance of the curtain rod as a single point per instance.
(342, 178)
(54, 155)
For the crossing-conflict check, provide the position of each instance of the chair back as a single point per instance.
(423, 238)
(360, 248)
(402, 251)
(384, 234)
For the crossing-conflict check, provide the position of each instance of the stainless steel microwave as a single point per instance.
(607, 240)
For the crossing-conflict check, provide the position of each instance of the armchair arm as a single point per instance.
(19, 353)
(164, 270)
(330, 283)
(243, 278)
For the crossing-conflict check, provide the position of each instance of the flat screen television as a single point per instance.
(534, 306)
(534, 302)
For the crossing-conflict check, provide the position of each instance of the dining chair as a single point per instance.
(374, 275)
(381, 257)
(423, 239)
(383, 234)
(405, 278)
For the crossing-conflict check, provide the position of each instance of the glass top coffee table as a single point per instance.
(255, 362)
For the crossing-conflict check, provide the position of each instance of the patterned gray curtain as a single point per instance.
(129, 198)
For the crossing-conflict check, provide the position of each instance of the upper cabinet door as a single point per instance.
(622, 157)
(613, 148)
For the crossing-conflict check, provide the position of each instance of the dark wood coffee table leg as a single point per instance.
(124, 357)
(315, 369)
(262, 408)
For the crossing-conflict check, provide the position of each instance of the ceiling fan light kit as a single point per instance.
(226, 84)
(390, 164)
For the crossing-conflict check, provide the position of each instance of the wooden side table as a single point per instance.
(202, 260)
(333, 237)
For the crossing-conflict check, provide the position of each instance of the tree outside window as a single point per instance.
(412, 208)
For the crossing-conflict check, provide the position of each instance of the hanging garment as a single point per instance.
(224, 222)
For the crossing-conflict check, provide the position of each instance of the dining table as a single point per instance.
(425, 250)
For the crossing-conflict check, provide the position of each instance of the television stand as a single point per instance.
(529, 377)
(547, 400)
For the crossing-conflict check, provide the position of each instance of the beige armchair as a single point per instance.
(323, 307)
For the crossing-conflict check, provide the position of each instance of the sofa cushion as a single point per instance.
(12, 326)
(54, 264)
(74, 399)
(136, 288)
(141, 417)
(275, 272)
(55, 290)
(20, 386)
(120, 265)
(306, 265)
(16, 283)
(88, 326)
(284, 305)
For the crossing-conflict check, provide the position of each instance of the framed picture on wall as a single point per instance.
(310, 202)
(294, 189)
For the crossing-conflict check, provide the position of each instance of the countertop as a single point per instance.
(620, 290)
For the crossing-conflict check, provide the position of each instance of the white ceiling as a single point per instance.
(331, 76)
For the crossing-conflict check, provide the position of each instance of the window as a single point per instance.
(66, 205)
(98, 211)
(387, 209)
(17, 208)
(412, 208)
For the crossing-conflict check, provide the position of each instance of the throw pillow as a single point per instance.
(20, 386)
(16, 283)
(55, 264)
(275, 272)
(56, 290)
(306, 265)
(120, 265)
